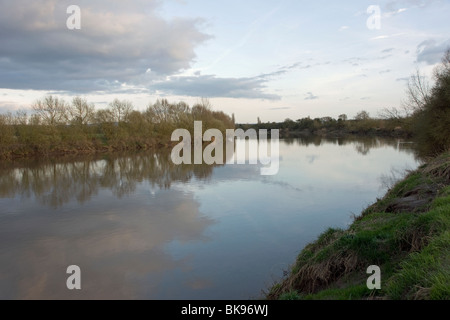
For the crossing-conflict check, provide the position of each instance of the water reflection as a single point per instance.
(58, 182)
(121, 254)
(141, 227)
(362, 144)
(54, 184)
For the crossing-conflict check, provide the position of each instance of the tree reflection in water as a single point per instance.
(55, 183)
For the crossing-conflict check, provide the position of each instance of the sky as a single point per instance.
(255, 58)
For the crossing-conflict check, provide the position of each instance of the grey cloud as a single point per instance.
(118, 42)
(385, 71)
(286, 69)
(365, 98)
(213, 87)
(387, 50)
(310, 96)
(431, 52)
(293, 66)
(273, 74)
(402, 79)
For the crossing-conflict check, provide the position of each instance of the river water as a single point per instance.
(140, 227)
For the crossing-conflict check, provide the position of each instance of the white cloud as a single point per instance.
(386, 36)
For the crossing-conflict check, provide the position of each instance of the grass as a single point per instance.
(412, 247)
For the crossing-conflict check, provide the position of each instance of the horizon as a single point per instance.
(253, 59)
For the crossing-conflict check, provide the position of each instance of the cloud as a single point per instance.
(281, 108)
(387, 36)
(431, 52)
(394, 12)
(118, 42)
(273, 74)
(385, 71)
(387, 50)
(310, 96)
(343, 28)
(214, 87)
(11, 106)
(402, 79)
(397, 6)
(365, 98)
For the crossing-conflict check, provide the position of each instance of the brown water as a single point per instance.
(140, 227)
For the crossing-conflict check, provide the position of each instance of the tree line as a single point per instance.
(56, 126)
(362, 124)
(424, 115)
(59, 127)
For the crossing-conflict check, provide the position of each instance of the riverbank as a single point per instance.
(345, 132)
(93, 148)
(406, 234)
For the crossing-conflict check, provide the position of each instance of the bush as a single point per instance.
(431, 123)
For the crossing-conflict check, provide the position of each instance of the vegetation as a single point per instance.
(407, 234)
(57, 127)
(431, 119)
(424, 115)
(362, 124)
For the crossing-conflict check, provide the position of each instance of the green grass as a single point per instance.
(411, 248)
(426, 274)
(355, 292)
(293, 295)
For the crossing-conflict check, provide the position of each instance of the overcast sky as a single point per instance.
(255, 58)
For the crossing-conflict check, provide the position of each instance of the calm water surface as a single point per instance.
(140, 227)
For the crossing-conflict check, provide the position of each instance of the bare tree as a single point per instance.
(51, 110)
(104, 116)
(121, 110)
(362, 115)
(204, 102)
(21, 118)
(392, 114)
(81, 112)
(418, 94)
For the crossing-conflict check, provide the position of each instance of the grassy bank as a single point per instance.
(406, 234)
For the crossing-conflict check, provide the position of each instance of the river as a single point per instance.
(140, 227)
